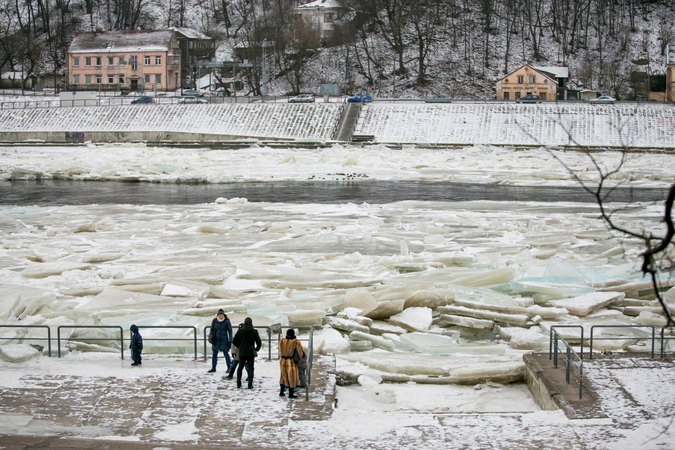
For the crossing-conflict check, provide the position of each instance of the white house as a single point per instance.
(324, 14)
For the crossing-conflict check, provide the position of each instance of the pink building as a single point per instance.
(124, 60)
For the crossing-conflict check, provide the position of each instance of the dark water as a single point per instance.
(50, 192)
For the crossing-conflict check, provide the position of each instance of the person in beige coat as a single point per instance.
(289, 371)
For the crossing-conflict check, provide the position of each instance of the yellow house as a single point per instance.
(546, 82)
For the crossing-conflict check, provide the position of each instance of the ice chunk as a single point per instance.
(49, 269)
(36, 304)
(413, 319)
(101, 257)
(207, 275)
(370, 378)
(361, 346)
(649, 318)
(429, 343)
(466, 322)
(353, 314)
(346, 325)
(430, 299)
(304, 318)
(186, 289)
(546, 313)
(360, 299)
(377, 341)
(9, 302)
(587, 303)
(526, 338)
(512, 319)
(329, 341)
(487, 278)
(16, 353)
(386, 309)
(379, 327)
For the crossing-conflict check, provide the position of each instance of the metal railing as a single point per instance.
(94, 327)
(550, 339)
(310, 352)
(573, 361)
(22, 338)
(590, 351)
(187, 327)
(664, 338)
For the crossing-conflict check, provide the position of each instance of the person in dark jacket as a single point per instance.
(235, 359)
(249, 343)
(136, 345)
(220, 337)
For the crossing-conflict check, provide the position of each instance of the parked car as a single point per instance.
(143, 100)
(603, 99)
(529, 99)
(191, 99)
(361, 98)
(191, 93)
(302, 98)
(438, 99)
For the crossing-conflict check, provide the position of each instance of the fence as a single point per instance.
(21, 338)
(574, 363)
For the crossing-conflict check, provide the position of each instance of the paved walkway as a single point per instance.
(189, 409)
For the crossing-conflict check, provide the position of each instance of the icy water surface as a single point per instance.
(359, 191)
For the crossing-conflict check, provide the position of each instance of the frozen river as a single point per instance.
(56, 192)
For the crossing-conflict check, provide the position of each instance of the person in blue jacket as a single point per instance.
(136, 345)
(220, 337)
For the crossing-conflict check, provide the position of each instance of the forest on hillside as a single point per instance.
(398, 47)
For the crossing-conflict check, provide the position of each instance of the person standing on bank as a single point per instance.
(220, 337)
(288, 369)
(136, 345)
(248, 342)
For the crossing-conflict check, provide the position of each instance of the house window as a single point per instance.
(121, 79)
(533, 79)
(329, 17)
(521, 79)
(158, 60)
(542, 95)
(121, 61)
(146, 60)
(76, 61)
(87, 61)
(517, 95)
(134, 62)
(99, 79)
(76, 79)
(506, 96)
(98, 61)
(111, 60)
(146, 78)
(111, 79)
(158, 78)
(87, 79)
(506, 80)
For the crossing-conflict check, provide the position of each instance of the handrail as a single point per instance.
(49, 335)
(194, 334)
(550, 340)
(58, 334)
(569, 366)
(310, 349)
(664, 338)
(620, 337)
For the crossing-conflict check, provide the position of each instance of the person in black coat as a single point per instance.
(248, 341)
(220, 337)
(136, 345)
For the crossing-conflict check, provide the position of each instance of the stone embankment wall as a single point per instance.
(635, 125)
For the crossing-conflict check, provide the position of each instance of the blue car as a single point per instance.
(142, 100)
(361, 98)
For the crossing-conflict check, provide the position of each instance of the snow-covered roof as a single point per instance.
(189, 33)
(121, 41)
(321, 4)
(558, 72)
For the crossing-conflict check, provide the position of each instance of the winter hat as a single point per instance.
(248, 321)
(241, 325)
(134, 329)
(290, 333)
(220, 311)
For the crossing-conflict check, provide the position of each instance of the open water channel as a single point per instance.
(56, 192)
